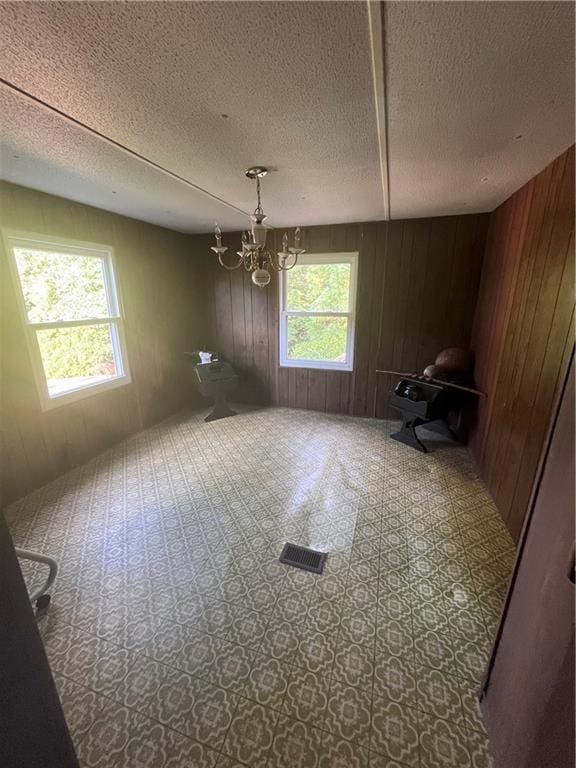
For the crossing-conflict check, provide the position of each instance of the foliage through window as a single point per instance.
(317, 310)
(72, 316)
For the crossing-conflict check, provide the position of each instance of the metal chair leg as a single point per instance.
(39, 596)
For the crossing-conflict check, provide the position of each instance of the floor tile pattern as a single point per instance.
(177, 638)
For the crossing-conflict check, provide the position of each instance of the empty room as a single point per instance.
(287, 384)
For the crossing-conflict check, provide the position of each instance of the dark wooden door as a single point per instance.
(528, 694)
(33, 731)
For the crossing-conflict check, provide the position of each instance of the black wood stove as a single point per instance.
(421, 402)
(217, 380)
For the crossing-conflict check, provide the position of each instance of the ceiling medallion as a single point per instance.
(254, 256)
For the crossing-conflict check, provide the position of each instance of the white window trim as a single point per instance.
(325, 365)
(14, 238)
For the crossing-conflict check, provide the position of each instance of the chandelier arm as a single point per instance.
(287, 269)
(230, 269)
(282, 267)
(272, 261)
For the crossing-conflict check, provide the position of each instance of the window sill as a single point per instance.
(317, 366)
(75, 395)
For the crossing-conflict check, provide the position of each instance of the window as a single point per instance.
(317, 310)
(72, 316)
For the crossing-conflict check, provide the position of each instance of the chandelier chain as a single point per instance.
(258, 210)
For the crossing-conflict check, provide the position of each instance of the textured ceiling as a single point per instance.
(157, 77)
(464, 79)
(42, 151)
(206, 89)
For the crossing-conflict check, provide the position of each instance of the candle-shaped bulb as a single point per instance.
(218, 233)
(244, 238)
(285, 243)
(297, 235)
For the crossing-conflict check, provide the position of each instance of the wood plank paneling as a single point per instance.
(417, 284)
(160, 282)
(522, 331)
(538, 621)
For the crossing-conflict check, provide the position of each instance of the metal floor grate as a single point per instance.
(302, 557)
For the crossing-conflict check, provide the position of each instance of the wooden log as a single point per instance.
(414, 377)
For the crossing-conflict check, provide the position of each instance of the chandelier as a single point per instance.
(254, 256)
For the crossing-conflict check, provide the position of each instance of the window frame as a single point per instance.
(17, 239)
(349, 257)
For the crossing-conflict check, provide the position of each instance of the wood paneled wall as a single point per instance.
(160, 285)
(417, 287)
(523, 332)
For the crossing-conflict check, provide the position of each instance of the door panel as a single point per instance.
(528, 694)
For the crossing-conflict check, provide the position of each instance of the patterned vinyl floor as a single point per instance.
(177, 639)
